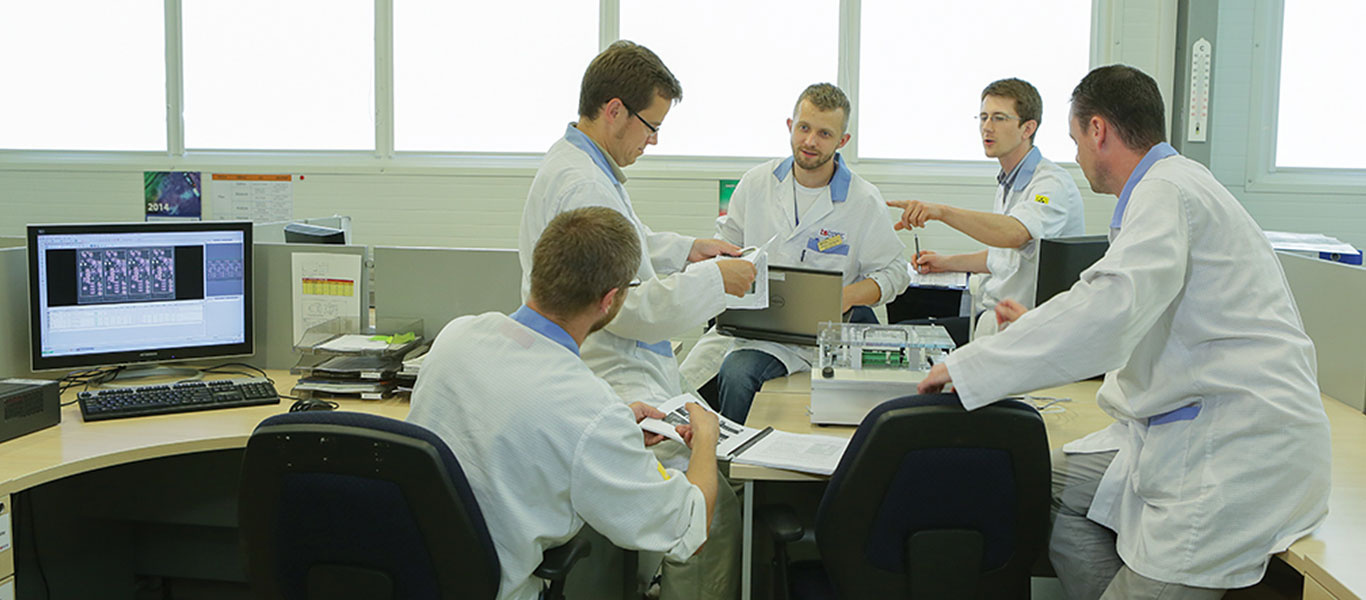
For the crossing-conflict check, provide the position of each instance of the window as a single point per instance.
(488, 76)
(267, 75)
(82, 75)
(1318, 77)
(742, 66)
(923, 67)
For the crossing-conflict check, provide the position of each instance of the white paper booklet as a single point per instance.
(808, 453)
(949, 279)
(757, 296)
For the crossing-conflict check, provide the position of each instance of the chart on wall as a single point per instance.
(171, 195)
(256, 198)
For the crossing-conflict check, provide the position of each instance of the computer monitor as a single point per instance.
(1062, 259)
(305, 233)
(129, 293)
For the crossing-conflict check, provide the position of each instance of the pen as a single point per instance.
(916, 258)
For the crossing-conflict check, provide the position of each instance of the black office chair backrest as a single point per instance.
(934, 501)
(347, 505)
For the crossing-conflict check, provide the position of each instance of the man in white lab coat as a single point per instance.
(1219, 455)
(547, 446)
(1035, 199)
(824, 217)
(625, 94)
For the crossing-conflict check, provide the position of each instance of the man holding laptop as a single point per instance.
(820, 216)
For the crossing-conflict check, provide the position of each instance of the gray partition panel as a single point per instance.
(14, 337)
(1330, 296)
(440, 284)
(274, 309)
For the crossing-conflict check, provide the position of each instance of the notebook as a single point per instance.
(799, 300)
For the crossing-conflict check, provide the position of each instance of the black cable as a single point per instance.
(32, 535)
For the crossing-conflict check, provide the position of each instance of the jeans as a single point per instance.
(743, 372)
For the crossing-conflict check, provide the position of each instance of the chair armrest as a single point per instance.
(556, 562)
(782, 523)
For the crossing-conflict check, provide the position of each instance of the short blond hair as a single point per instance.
(825, 96)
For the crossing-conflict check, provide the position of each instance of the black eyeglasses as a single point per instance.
(653, 130)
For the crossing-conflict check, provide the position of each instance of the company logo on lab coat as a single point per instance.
(1041, 199)
(829, 242)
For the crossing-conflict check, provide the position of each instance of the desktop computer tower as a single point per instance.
(27, 405)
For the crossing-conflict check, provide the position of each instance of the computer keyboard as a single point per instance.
(115, 403)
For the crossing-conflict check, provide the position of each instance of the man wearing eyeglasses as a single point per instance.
(625, 94)
(1035, 199)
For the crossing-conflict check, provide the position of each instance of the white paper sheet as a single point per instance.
(326, 286)
(1308, 242)
(257, 198)
(951, 279)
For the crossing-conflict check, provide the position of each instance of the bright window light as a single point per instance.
(742, 66)
(269, 75)
(488, 76)
(923, 66)
(1317, 73)
(82, 75)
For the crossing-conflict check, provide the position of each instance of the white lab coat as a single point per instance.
(1223, 453)
(633, 353)
(547, 446)
(1046, 201)
(849, 207)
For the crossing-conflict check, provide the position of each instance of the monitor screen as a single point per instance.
(126, 293)
(1061, 261)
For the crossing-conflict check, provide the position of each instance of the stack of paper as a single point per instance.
(1308, 242)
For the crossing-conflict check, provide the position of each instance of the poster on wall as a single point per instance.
(256, 198)
(171, 195)
(727, 188)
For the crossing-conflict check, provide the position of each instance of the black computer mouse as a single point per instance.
(312, 404)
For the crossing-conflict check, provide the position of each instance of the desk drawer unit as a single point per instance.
(6, 547)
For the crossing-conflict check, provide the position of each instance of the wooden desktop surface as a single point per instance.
(1332, 556)
(74, 446)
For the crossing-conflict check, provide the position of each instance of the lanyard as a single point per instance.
(796, 216)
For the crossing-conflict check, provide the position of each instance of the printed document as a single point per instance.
(808, 453)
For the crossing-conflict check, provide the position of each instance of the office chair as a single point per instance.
(929, 501)
(342, 505)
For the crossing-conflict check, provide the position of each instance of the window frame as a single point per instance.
(1263, 120)
(1107, 30)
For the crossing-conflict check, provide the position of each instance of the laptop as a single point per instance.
(799, 300)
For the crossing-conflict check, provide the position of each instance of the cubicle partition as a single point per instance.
(14, 336)
(440, 284)
(1330, 296)
(9, 241)
(274, 288)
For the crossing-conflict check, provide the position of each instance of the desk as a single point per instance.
(1330, 559)
(75, 447)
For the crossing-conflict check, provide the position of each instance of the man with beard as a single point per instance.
(547, 446)
(825, 217)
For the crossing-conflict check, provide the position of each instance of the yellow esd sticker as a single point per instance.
(830, 242)
(1041, 199)
(662, 472)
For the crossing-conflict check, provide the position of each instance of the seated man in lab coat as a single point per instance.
(824, 217)
(1218, 457)
(547, 446)
(625, 94)
(1035, 199)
